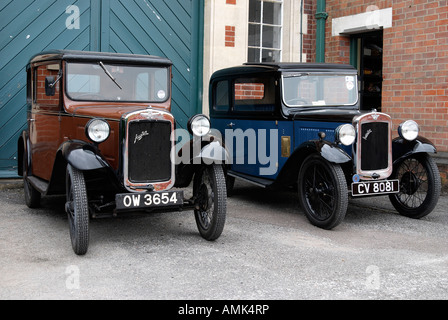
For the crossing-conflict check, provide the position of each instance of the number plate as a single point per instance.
(368, 188)
(149, 200)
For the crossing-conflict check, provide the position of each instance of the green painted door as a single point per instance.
(168, 28)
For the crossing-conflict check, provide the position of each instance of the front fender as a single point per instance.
(402, 148)
(83, 156)
(197, 153)
(329, 151)
(213, 152)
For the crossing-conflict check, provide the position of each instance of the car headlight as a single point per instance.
(346, 134)
(97, 130)
(408, 130)
(199, 125)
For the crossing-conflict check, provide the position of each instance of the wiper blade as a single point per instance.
(296, 75)
(109, 74)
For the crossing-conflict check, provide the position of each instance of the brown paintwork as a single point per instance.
(51, 124)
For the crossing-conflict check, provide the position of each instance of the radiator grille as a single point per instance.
(374, 146)
(149, 148)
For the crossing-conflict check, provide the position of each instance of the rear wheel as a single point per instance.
(419, 186)
(209, 189)
(77, 209)
(322, 192)
(32, 196)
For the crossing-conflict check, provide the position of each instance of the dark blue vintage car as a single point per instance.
(301, 124)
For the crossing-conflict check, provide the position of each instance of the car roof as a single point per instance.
(73, 55)
(250, 68)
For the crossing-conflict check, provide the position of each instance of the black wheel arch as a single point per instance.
(329, 151)
(402, 148)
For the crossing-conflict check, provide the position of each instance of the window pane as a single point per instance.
(272, 13)
(82, 83)
(254, 11)
(253, 55)
(270, 55)
(254, 94)
(222, 96)
(271, 37)
(254, 35)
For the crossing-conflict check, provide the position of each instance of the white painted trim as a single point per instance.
(363, 22)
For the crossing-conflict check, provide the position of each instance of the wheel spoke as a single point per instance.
(319, 192)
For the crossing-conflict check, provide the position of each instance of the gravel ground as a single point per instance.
(268, 251)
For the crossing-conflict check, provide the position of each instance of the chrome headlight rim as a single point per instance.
(345, 134)
(97, 130)
(199, 125)
(409, 130)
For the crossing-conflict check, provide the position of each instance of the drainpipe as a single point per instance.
(321, 16)
(301, 31)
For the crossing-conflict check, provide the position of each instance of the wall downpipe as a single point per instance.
(321, 17)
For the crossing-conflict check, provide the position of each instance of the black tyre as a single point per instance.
(322, 192)
(32, 196)
(77, 209)
(420, 186)
(209, 189)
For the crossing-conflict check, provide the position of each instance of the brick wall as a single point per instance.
(415, 67)
(309, 39)
(230, 36)
(249, 91)
(41, 97)
(415, 60)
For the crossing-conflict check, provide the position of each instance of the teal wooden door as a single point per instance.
(169, 28)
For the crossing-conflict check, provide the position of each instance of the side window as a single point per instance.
(40, 97)
(221, 98)
(254, 95)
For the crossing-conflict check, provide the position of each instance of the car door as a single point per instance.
(44, 120)
(244, 112)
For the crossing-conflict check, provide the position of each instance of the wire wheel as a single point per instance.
(419, 186)
(323, 192)
(77, 209)
(209, 190)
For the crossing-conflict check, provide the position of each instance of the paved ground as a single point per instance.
(268, 250)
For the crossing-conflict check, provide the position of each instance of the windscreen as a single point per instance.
(311, 89)
(106, 82)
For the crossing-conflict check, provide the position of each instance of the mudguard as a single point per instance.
(211, 153)
(329, 151)
(82, 155)
(197, 153)
(402, 148)
(23, 147)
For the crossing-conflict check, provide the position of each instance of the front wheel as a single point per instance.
(77, 209)
(322, 192)
(209, 190)
(419, 186)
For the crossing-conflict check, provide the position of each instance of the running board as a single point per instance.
(38, 184)
(264, 183)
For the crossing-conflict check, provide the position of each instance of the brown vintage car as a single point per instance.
(101, 132)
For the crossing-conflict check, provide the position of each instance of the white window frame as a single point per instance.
(262, 24)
